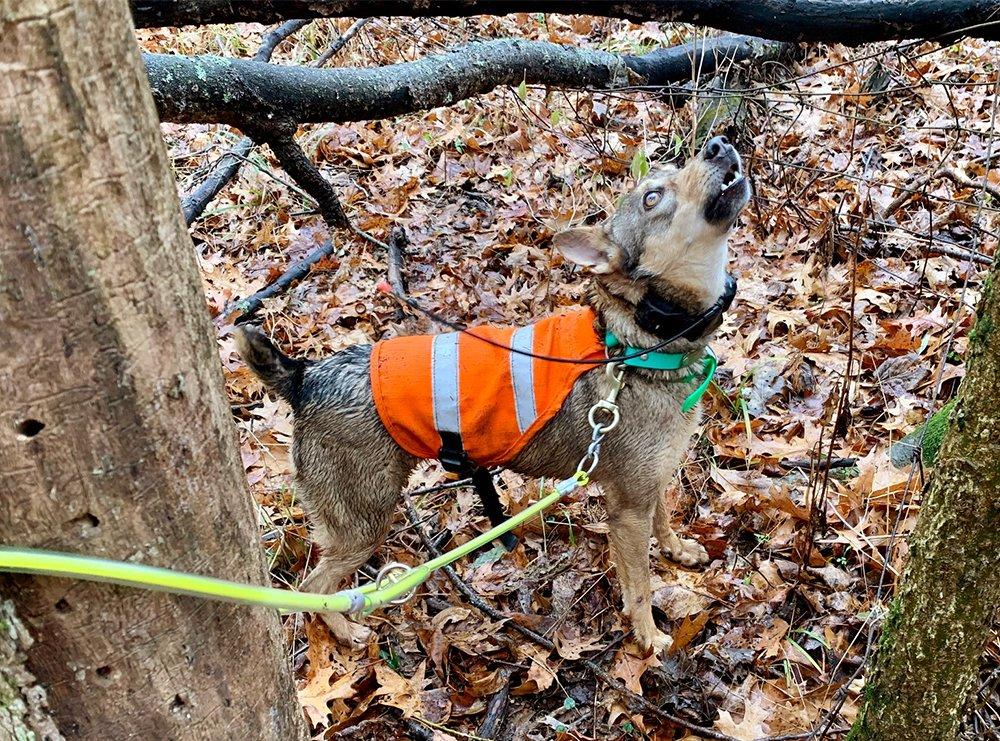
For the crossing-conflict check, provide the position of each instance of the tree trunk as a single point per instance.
(838, 21)
(115, 436)
(932, 642)
(24, 711)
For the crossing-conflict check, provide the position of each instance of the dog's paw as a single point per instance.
(654, 640)
(687, 552)
(347, 633)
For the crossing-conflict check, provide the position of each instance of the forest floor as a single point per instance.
(855, 297)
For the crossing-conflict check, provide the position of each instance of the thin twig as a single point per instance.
(341, 42)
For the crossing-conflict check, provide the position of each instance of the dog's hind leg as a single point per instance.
(684, 551)
(342, 553)
(351, 518)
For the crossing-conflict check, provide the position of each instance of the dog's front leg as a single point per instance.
(630, 525)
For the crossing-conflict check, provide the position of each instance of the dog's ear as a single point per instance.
(588, 247)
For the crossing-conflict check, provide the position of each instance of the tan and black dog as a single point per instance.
(669, 236)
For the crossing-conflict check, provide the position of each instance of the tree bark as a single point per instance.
(115, 435)
(209, 89)
(24, 712)
(839, 21)
(933, 638)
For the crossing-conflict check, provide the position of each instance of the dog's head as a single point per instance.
(670, 233)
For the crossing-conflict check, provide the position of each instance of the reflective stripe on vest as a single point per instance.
(444, 383)
(495, 400)
(523, 378)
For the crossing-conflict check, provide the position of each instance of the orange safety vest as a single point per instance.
(492, 399)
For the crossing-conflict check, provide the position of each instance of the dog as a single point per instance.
(670, 237)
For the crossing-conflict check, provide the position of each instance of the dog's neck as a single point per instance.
(615, 299)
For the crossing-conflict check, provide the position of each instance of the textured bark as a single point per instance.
(245, 94)
(842, 21)
(115, 436)
(933, 638)
(24, 712)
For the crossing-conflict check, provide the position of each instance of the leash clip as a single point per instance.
(391, 573)
(616, 377)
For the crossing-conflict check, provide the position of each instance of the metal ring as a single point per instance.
(595, 456)
(611, 409)
(385, 578)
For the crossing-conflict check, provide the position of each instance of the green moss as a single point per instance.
(902, 453)
(874, 701)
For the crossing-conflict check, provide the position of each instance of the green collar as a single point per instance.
(671, 361)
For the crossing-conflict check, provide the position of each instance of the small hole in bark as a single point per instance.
(63, 605)
(28, 428)
(178, 703)
(105, 675)
(86, 525)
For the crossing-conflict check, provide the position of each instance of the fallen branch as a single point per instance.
(276, 35)
(960, 253)
(915, 187)
(807, 464)
(803, 20)
(253, 95)
(252, 304)
(298, 166)
(966, 182)
(397, 244)
(224, 169)
(313, 184)
(496, 709)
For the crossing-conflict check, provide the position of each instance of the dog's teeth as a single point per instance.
(726, 186)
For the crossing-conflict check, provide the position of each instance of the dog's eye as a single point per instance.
(652, 198)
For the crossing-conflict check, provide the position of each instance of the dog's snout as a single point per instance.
(716, 147)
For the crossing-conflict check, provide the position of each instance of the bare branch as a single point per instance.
(341, 42)
(297, 271)
(298, 166)
(225, 168)
(276, 35)
(209, 89)
(842, 21)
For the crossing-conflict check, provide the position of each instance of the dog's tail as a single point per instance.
(278, 371)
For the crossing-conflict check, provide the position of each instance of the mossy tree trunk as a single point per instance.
(115, 434)
(24, 713)
(933, 638)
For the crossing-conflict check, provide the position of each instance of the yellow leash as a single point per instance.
(395, 583)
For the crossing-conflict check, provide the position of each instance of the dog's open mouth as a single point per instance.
(731, 178)
(732, 196)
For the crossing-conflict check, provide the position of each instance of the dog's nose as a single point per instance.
(717, 146)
